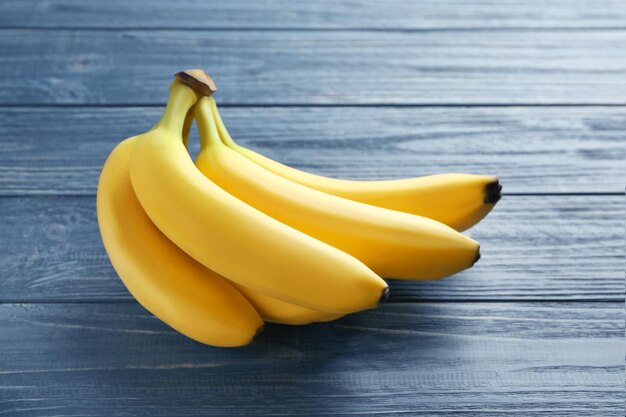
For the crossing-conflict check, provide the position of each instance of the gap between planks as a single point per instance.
(316, 29)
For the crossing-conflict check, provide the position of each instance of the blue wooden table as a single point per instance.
(530, 91)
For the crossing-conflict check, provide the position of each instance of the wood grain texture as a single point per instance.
(74, 343)
(327, 14)
(533, 150)
(288, 67)
(405, 359)
(535, 248)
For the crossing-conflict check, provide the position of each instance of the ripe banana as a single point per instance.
(457, 200)
(270, 309)
(392, 243)
(234, 239)
(165, 280)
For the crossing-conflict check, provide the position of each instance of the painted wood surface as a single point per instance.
(535, 248)
(533, 150)
(300, 67)
(326, 14)
(492, 359)
(530, 91)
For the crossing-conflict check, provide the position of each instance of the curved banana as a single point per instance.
(270, 309)
(165, 280)
(234, 239)
(457, 200)
(276, 311)
(393, 244)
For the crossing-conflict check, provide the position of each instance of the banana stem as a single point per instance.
(181, 99)
(209, 135)
(224, 135)
(202, 85)
(187, 127)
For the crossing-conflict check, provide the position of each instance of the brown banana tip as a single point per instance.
(384, 296)
(477, 256)
(259, 331)
(493, 192)
(198, 80)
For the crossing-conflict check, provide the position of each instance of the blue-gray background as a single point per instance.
(530, 91)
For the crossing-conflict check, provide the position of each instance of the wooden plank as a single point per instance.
(533, 150)
(289, 67)
(405, 359)
(326, 14)
(534, 248)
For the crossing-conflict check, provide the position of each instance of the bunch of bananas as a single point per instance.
(216, 248)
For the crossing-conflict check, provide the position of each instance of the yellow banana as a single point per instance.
(277, 311)
(234, 239)
(457, 200)
(393, 244)
(165, 280)
(270, 309)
